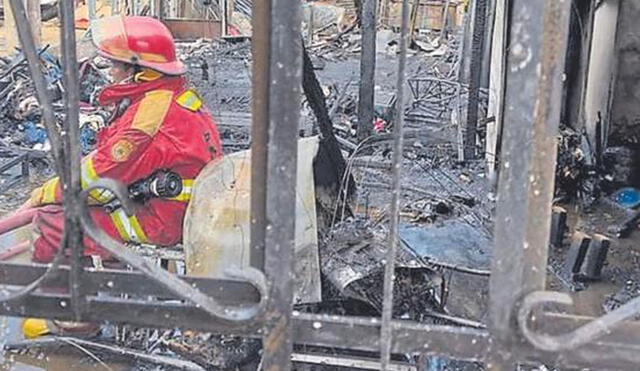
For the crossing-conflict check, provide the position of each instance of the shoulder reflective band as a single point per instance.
(190, 100)
(128, 227)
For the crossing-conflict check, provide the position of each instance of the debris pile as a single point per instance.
(20, 113)
(204, 349)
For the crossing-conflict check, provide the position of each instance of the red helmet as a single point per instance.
(142, 41)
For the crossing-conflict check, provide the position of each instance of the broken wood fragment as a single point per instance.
(332, 188)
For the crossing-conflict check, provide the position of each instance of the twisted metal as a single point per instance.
(585, 334)
(182, 289)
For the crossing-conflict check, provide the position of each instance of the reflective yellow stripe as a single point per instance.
(88, 176)
(49, 191)
(117, 222)
(185, 195)
(190, 100)
(128, 227)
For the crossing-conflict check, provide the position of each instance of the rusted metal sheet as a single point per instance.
(190, 29)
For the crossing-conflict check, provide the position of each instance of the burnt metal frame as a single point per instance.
(533, 84)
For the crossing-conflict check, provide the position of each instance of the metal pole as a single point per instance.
(398, 145)
(475, 77)
(160, 9)
(35, 20)
(91, 7)
(538, 45)
(284, 115)
(367, 70)
(71, 142)
(496, 84)
(445, 19)
(310, 25)
(261, 46)
(225, 21)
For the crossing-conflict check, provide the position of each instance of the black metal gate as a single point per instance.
(257, 302)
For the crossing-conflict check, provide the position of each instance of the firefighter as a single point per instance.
(165, 126)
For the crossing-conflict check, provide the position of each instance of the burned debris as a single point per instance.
(494, 205)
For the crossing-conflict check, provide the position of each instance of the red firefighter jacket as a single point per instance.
(165, 127)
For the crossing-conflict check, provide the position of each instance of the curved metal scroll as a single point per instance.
(175, 285)
(582, 335)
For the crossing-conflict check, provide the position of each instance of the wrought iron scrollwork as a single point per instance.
(169, 281)
(584, 334)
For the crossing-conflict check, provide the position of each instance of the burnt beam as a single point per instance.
(475, 77)
(366, 112)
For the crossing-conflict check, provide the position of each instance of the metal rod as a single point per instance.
(246, 314)
(29, 50)
(91, 8)
(160, 9)
(445, 19)
(224, 5)
(398, 148)
(71, 141)
(366, 112)
(475, 77)
(35, 20)
(310, 24)
(284, 115)
(532, 110)
(261, 47)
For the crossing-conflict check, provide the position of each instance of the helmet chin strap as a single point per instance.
(146, 74)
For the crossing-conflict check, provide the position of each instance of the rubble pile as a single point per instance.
(20, 113)
(205, 349)
(352, 259)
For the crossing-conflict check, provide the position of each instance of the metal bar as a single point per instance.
(496, 84)
(224, 4)
(398, 149)
(127, 282)
(134, 7)
(160, 9)
(261, 51)
(475, 77)
(29, 50)
(91, 9)
(352, 363)
(234, 315)
(445, 20)
(72, 238)
(366, 112)
(532, 109)
(282, 151)
(35, 19)
(570, 340)
(310, 24)
(353, 333)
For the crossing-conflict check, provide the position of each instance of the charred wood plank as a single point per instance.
(330, 166)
